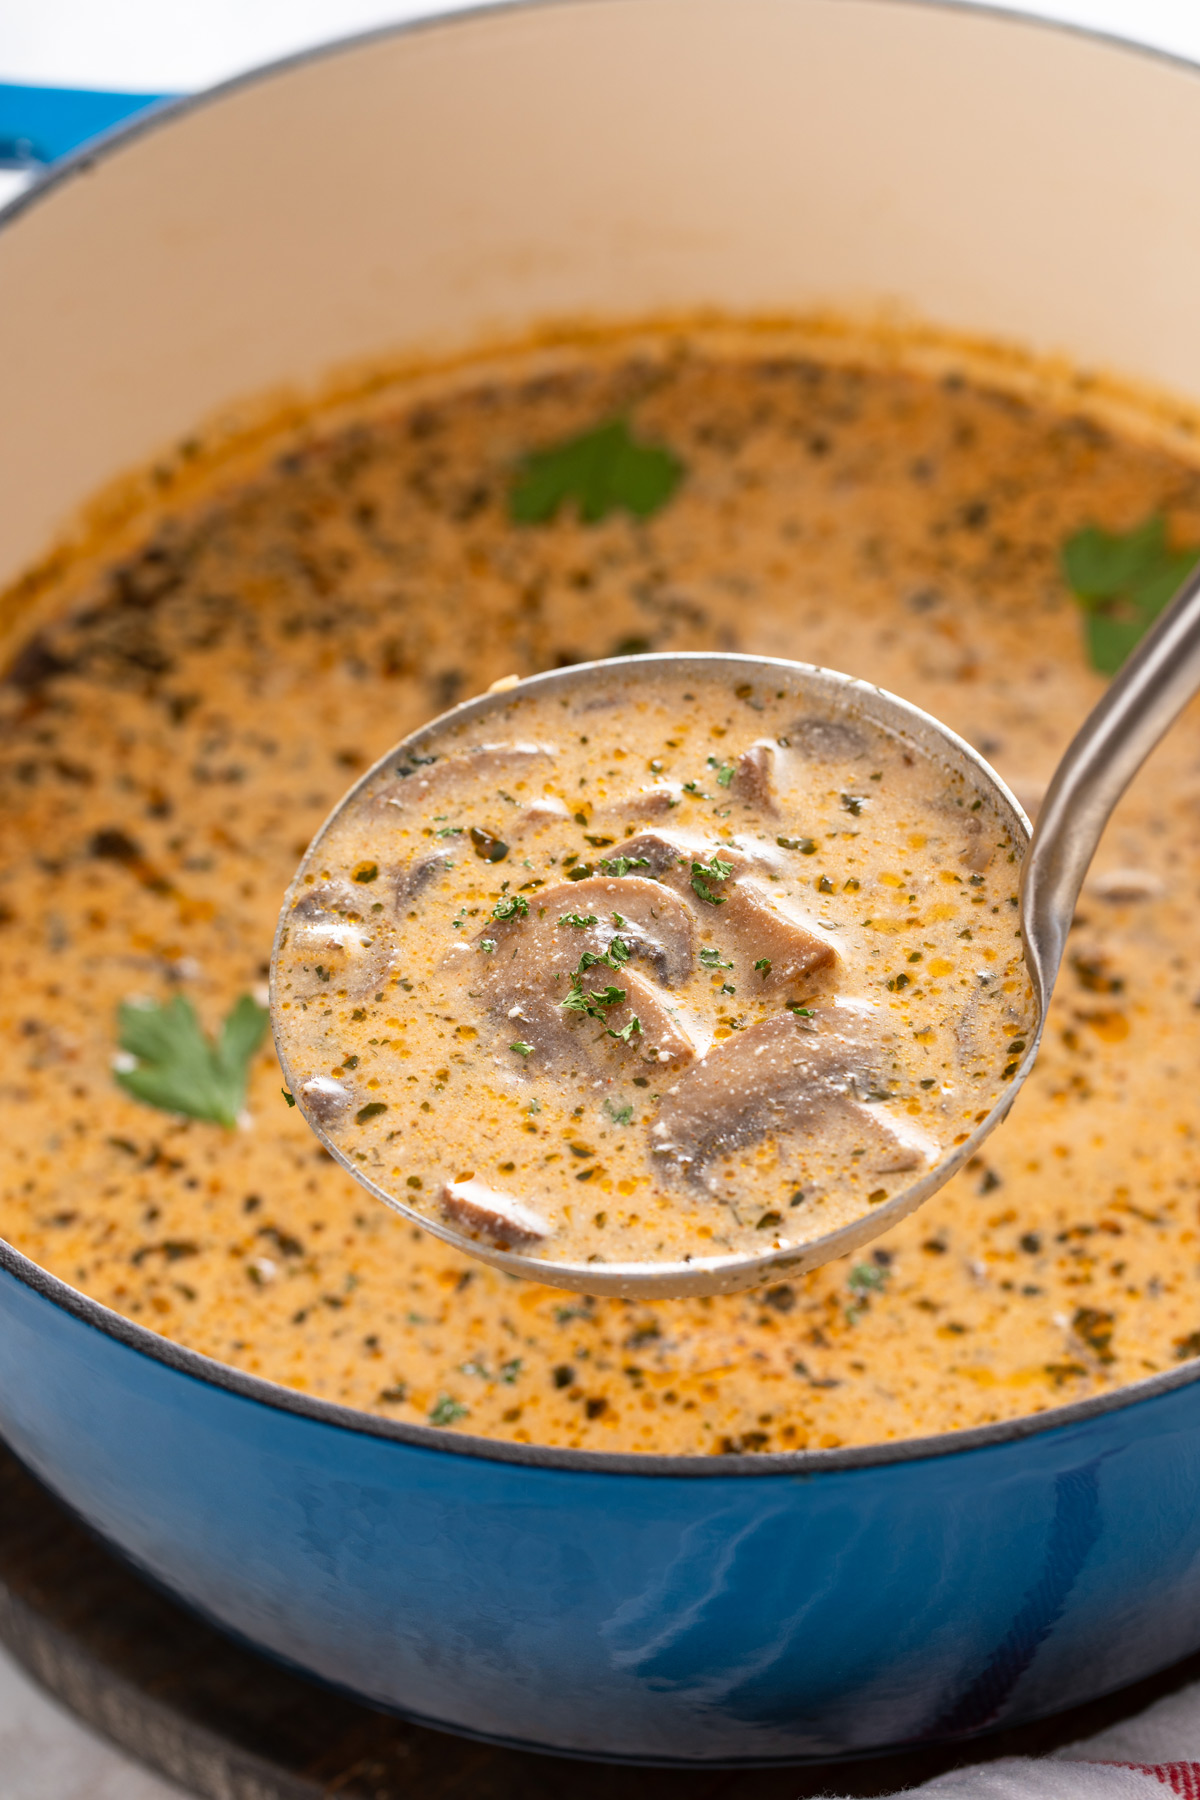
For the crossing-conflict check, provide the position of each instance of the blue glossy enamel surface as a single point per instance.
(719, 1616)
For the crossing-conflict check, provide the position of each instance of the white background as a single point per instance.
(171, 46)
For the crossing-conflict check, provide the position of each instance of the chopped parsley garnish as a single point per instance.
(1123, 580)
(763, 965)
(712, 959)
(446, 1410)
(371, 1110)
(804, 845)
(177, 1068)
(487, 945)
(510, 906)
(620, 1115)
(621, 865)
(579, 921)
(449, 831)
(522, 1048)
(695, 790)
(602, 471)
(713, 870)
(366, 871)
(289, 1099)
(581, 1000)
(854, 803)
(725, 770)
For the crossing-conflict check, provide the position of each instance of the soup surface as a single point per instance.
(723, 969)
(188, 712)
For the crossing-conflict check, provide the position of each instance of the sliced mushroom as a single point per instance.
(980, 846)
(653, 802)
(480, 1211)
(827, 740)
(784, 1078)
(418, 875)
(419, 785)
(526, 978)
(742, 909)
(755, 777)
(334, 943)
(325, 1100)
(764, 929)
(655, 924)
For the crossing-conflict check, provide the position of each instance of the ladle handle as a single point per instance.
(1143, 701)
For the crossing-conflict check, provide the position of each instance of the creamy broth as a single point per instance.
(664, 968)
(193, 708)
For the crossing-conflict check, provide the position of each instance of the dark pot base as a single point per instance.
(221, 1720)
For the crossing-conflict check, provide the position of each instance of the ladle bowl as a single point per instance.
(820, 692)
(1137, 709)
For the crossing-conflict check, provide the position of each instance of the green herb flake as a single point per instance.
(511, 906)
(601, 471)
(446, 1410)
(178, 1069)
(579, 921)
(633, 1029)
(621, 865)
(367, 871)
(713, 870)
(712, 959)
(522, 1048)
(763, 965)
(620, 1115)
(805, 845)
(1122, 581)
(725, 770)
(371, 1110)
(289, 1099)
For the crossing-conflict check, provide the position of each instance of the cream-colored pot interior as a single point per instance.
(598, 158)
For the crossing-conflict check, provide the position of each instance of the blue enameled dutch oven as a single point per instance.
(410, 194)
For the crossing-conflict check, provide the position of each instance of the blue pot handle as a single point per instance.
(40, 124)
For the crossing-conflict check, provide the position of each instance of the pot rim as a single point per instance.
(255, 1388)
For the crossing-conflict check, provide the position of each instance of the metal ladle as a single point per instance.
(1143, 701)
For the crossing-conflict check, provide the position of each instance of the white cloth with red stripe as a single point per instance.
(1148, 1757)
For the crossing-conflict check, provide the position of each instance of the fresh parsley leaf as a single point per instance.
(1123, 580)
(763, 965)
(522, 1048)
(609, 996)
(487, 945)
(634, 1028)
(511, 906)
(579, 921)
(725, 770)
(713, 870)
(621, 865)
(602, 471)
(289, 1099)
(620, 1115)
(712, 959)
(804, 845)
(178, 1069)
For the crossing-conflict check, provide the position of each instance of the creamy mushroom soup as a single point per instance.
(687, 968)
(194, 700)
